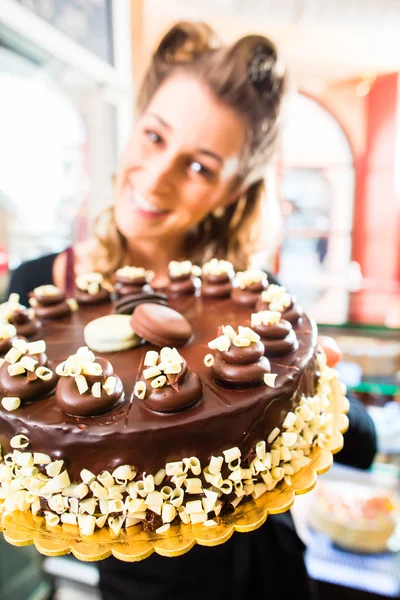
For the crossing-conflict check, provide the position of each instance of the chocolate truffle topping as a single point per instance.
(88, 385)
(49, 302)
(276, 334)
(249, 285)
(27, 375)
(276, 298)
(175, 388)
(89, 289)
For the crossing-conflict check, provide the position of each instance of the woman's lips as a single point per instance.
(146, 208)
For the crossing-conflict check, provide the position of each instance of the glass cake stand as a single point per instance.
(134, 544)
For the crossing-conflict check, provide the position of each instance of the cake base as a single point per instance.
(134, 544)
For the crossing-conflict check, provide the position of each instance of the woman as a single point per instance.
(190, 185)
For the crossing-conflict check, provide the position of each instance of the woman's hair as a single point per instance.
(248, 77)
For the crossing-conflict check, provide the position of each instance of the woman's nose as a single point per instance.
(161, 173)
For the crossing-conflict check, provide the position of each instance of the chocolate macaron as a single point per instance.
(161, 325)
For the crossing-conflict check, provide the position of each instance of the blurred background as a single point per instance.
(69, 73)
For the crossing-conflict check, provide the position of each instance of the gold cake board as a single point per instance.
(134, 544)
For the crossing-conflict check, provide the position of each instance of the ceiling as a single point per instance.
(328, 39)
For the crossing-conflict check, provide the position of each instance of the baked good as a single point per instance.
(356, 517)
(193, 433)
(111, 333)
(161, 325)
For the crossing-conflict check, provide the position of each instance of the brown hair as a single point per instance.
(246, 76)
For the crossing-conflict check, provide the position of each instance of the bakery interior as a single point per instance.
(69, 72)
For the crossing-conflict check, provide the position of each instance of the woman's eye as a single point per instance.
(201, 169)
(153, 136)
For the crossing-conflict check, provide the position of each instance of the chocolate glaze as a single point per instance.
(27, 387)
(84, 298)
(182, 285)
(278, 339)
(132, 434)
(184, 391)
(24, 324)
(216, 286)
(86, 405)
(127, 304)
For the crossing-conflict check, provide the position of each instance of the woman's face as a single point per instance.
(180, 162)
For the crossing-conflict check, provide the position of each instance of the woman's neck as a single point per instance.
(156, 255)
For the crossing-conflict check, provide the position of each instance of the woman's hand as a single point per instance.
(331, 349)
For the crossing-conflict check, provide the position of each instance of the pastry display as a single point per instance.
(217, 276)
(49, 302)
(183, 278)
(89, 289)
(130, 280)
(171, 414)
(249, 285)
(356, 517)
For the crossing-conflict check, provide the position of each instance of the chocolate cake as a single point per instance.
(180, 435)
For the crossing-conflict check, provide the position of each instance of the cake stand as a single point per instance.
(134, 544)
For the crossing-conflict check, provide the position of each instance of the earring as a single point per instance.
(218, 213)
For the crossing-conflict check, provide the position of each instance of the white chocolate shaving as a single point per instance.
(73, 305)
(16, 369)
(208, 360)
(151, 358)
(269, 379)
(159, 382)
(11, 403)
(13, 355)
(81, 384)
(273, 435)
(247, 278)
(218, 267)
(96, 389)
(135, 273)
(19, 441)
(221, 343)
(178, 269)
(163, 528)
(151, 372)
(7, 331)
(140, 389)
(231, 454)
(44, 373)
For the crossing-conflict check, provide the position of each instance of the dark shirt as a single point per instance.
(266, 563)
